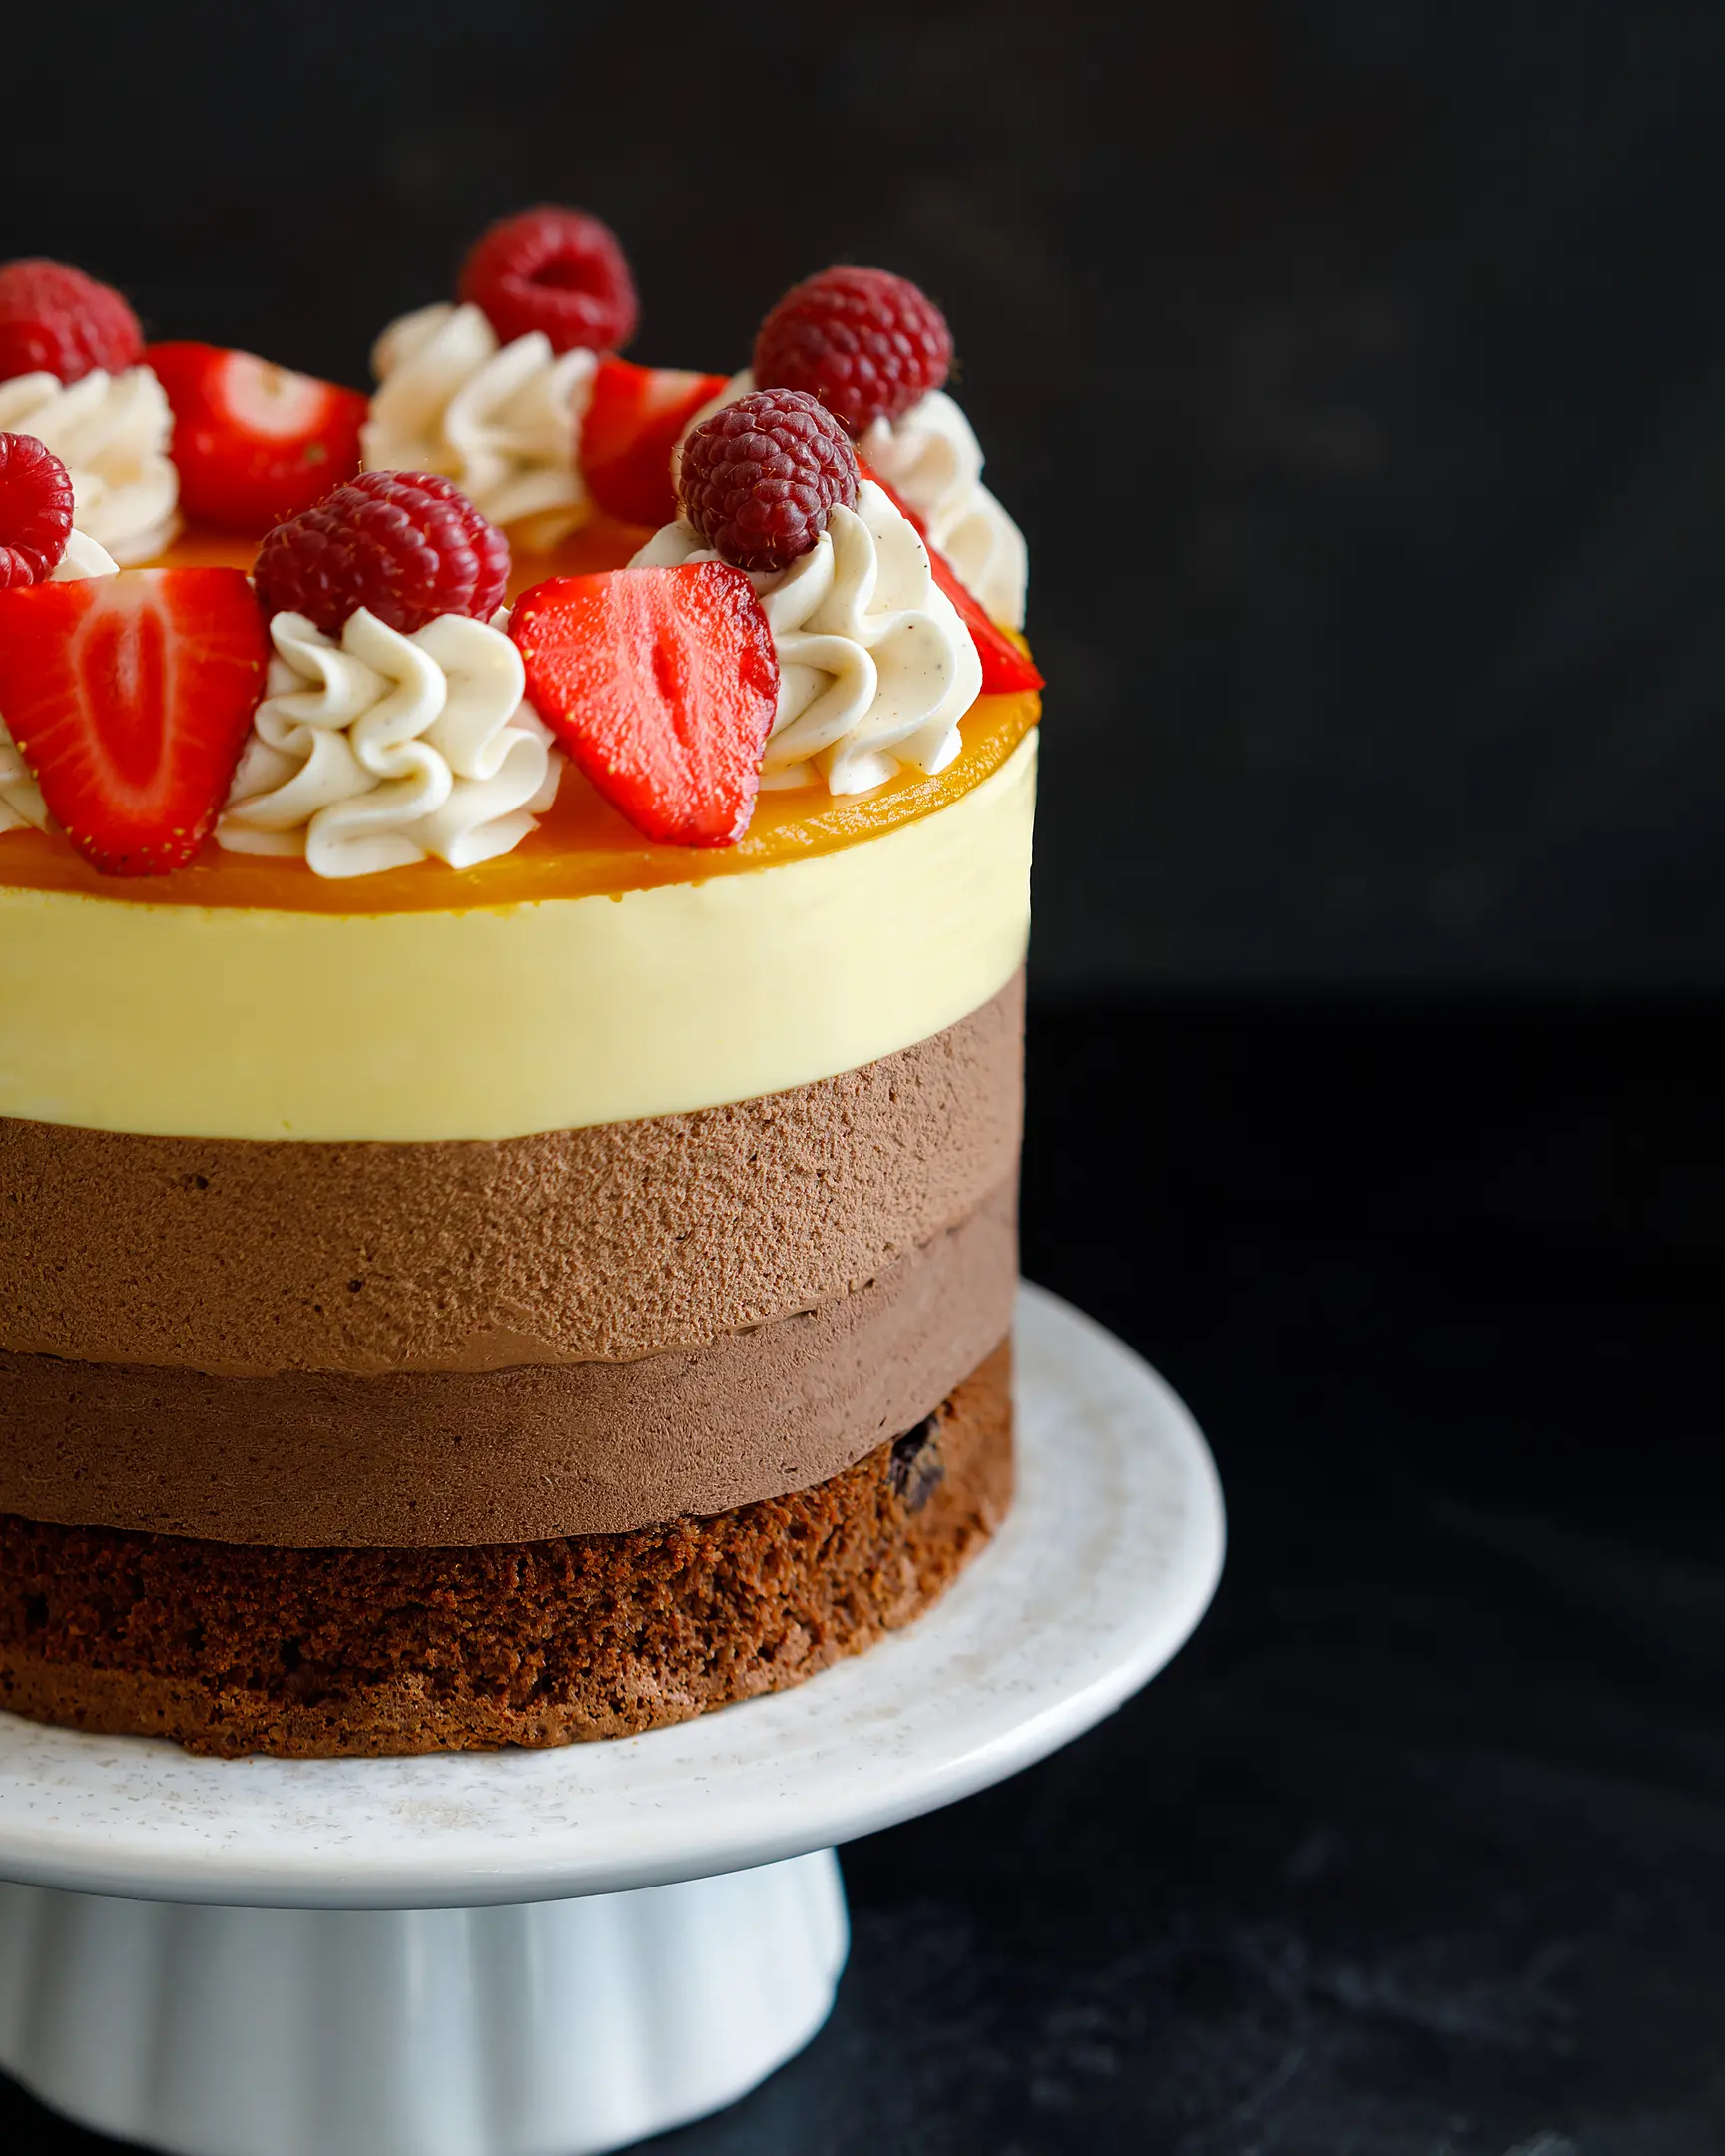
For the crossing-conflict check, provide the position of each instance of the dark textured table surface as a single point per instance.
(1419, 1849)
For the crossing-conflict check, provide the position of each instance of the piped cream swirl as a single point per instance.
(932, 457)
(500, 421)
(933, 461)
(876, 668)
(21, 804)
(110, 432)
(374, 752)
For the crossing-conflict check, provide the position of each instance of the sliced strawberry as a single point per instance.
(129, 698)
(662, 684)
(633, 419)
(1006, 667)
(253, 444)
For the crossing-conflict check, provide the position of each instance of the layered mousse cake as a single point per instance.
(513, 901)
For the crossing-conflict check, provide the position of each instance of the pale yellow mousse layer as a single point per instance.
(243, 1021)
(588, 976)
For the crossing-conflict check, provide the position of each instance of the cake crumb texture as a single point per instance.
(306, 1653)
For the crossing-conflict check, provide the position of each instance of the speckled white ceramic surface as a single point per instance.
(1107, 1562)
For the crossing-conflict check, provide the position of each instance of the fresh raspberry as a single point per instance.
(35, 510)
(409, 545)
(867, 344)
(56, 320)
(556, 270)
(759, 480)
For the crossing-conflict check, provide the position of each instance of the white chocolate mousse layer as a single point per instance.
(229, 1022)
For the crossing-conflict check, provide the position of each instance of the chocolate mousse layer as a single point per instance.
(416, 1460)
(601, 1245)
(318, 1652)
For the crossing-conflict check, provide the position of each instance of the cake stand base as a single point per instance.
(537, 1953)
(554, 2028)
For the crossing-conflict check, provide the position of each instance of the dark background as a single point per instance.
(1358, 370)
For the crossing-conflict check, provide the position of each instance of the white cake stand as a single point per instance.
(546, 1953)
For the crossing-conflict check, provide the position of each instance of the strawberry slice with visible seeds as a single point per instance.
(662, 684)
(253, 444)
(130, 697)
(1006, 668)
(633, 418)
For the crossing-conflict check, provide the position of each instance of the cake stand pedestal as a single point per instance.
(549, 1953)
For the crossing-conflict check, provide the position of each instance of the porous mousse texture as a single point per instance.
(420, 1346)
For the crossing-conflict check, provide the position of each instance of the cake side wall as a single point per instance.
(502, 1021)
(244, 1259)
(383, 1345)
(318, 1652)
(426, 1459)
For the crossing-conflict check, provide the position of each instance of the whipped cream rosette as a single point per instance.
(111, 431)
(499, 419)
(876, 668)
(379, 749)
(931, 460)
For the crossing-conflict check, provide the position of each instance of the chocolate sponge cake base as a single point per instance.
(306, 1653)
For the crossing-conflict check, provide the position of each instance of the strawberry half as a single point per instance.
(130, 697)
(253, 444)
(1007, 669)
(662, 684)
(634, 416)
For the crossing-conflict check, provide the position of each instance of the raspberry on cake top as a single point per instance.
(72, 377)
(340, 843)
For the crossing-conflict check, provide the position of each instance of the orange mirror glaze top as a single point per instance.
(582, 845)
